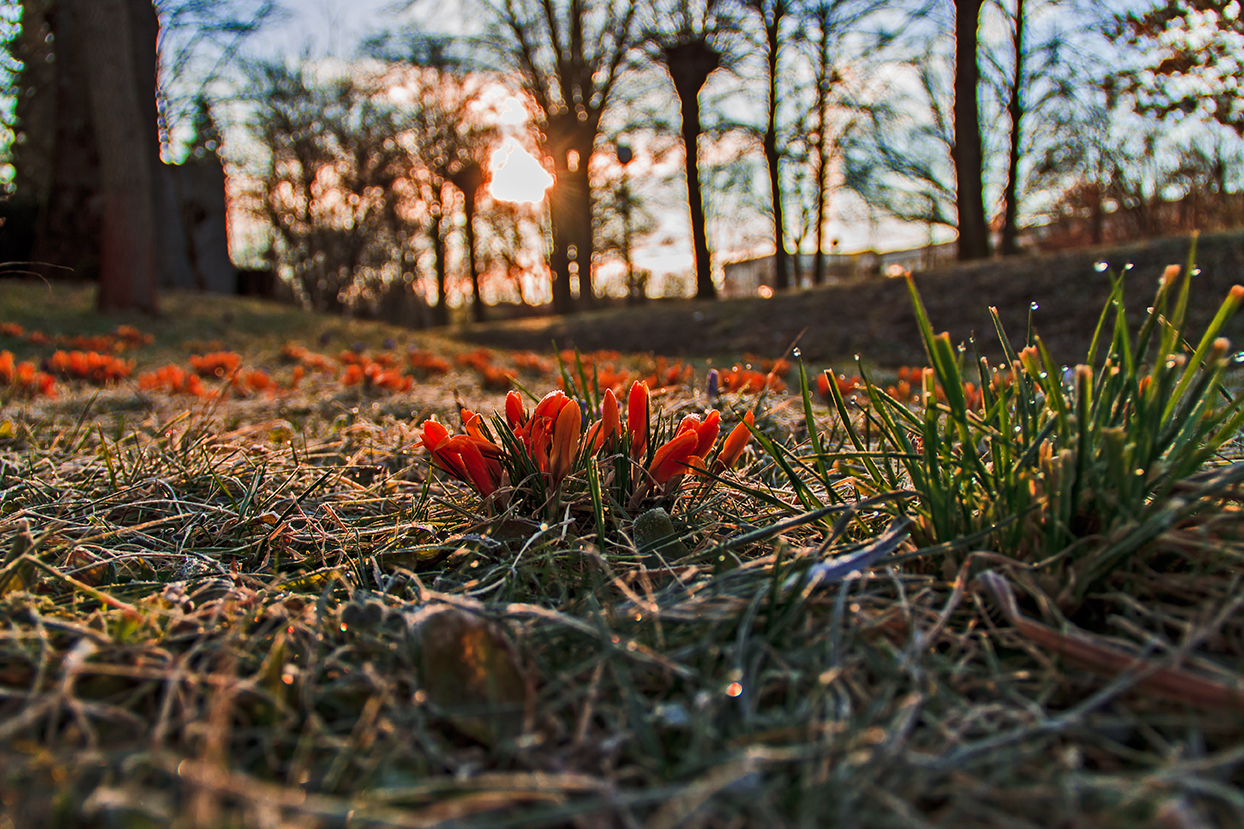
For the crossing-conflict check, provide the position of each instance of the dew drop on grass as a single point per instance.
(796, 353)
(1196, 271)
(1238, 357)
(1100, 267)
(1128, 266)
(1036, 306)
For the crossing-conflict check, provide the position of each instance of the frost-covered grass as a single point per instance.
(1018, 608)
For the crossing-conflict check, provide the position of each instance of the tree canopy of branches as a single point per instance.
(1196, 66)
(568, 56)
(772, 16)
(200, 45)
(448, 144)
(330, 192)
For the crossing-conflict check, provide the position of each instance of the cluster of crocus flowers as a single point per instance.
(471, 458)
(91, 366)
(554, 442)
(23, 378)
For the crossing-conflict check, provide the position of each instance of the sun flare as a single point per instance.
(516, 175)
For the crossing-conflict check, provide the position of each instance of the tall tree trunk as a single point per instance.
(570, 144)
(581, 229)
(477, 302)
(121, 68)
(822, 151)
(691, 129)
(690, 59)
(1015, 108)
(468, 179)
(440, 312)
(968, 152)
(781, 276)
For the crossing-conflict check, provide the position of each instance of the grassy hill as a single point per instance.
(873, 317)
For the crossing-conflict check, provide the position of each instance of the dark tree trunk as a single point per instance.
(691, 129)
(468, 180)
(1015, 108)
(440, 312)
(118, 50)
(689, 64)
(822, 152)
(781, 275)
(570, 144)
(968, 153)
(477, 302)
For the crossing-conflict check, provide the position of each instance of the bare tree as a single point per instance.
(568, 55)
(829, 24)
(773, 17)
(333, 185)
(1196, 67)
(686, 38)
(450, 143)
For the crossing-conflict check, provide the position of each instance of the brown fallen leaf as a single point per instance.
(469, 670)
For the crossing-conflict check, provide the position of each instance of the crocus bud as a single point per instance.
(637, 418)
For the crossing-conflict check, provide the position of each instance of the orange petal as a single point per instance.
(690, 422)
(609, 426)
(551, 404)
(735, 442)
(476, 468)
(637, 418)
(708, 431)
(448, 458)
(514, 413)
(472, 423)
(433, 434)
(671, 457)
(566, 440)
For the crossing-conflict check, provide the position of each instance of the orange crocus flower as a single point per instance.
(472, 424)
(671, 457)
(514, 413)
(735, 442)
(609, 427)
(566, 435)
(706, 432)
(550, 405)
(480, 472)
(637, 418)
(468, 458)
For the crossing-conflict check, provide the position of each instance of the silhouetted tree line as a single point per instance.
(970, 116)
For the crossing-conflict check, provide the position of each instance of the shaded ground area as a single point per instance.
(874, 318)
